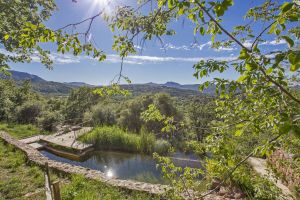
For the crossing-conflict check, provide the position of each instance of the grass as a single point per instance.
(116, 139)
(113, 138)
(18, 178)
(21, 131)
(82, 189)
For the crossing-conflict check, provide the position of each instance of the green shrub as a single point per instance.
(28, 113)
(194, 146)
(161, 146)
(50, 120)
(101, 115)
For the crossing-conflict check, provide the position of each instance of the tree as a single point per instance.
(23, 32)
(261, 100)
(79, 101)
(200, 114)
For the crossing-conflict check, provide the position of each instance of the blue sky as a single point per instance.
(173, 62)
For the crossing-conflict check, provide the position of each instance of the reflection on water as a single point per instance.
(120, 165)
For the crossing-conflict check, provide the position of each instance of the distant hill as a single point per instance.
(21, 76)
(194, 87)
(56, 88)
(78, 84)
(41, 85)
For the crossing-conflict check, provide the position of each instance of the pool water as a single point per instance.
(123, 165)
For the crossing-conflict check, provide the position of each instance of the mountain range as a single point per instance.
(56, 88)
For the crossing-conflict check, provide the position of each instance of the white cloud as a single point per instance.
(186, 47)
(225, 49)
(171, 46)
(138, 47)
(274, 42)
(57, 58)
(64, 58)
(201, 46)
(132, 59)
(137, 59)
(247, 43)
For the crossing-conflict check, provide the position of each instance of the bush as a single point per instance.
(100, 115)
(28, 113)
(50, 120)
(161, 146)
(194, 146)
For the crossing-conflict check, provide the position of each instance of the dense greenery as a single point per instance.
(114, 138)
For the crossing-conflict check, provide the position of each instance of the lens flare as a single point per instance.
(109, 173)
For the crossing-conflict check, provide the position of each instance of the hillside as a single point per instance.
(56, 88)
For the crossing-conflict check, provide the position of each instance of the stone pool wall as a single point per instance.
(36, 157)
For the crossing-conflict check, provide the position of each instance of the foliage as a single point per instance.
(50, 120)
(184, 181)
(131, 113)
(200, 114)
(28, 113)
(258, 103)
(195, 146)
(255, 186)
(79, 101)
(161, 146)
(101, 114)
(23, 32)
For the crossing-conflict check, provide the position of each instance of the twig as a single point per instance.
(261, 33)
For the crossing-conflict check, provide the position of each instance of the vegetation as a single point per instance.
(80, 188)
(253, 114)
(21, 131)
(18, 177)
(114, 138)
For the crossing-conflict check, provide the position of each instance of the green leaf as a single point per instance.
(294, 67)
(294, 58)
(6, 37)
(244, 54)
(238, 132)
(242, 78)
(269, 71)
(286, 7)
(288, 40)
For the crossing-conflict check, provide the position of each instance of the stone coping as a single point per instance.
(36, 157)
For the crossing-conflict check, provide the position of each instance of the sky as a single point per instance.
(171, 61)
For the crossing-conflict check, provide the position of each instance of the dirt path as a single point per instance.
(260, 166)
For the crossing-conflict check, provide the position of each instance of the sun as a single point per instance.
(96, 6)
(100, 2)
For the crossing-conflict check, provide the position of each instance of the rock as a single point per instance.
(222, 191)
